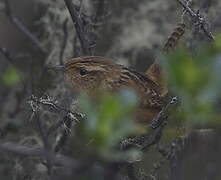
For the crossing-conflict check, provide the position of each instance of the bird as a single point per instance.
(93, 74)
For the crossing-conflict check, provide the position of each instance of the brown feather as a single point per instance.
(104, 75)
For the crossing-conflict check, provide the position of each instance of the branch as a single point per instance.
(49, 102)
(22, 27)
(65, 134)
(35, 102)
(80, 30)
(198, 19)
(7, 54)
(143, 142)
(163, 114)
(21, 150)
(154, 131)
(172, 154)
(47, 146)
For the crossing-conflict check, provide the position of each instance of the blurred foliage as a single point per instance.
(10, 77)
(109, 120)
(195, 78)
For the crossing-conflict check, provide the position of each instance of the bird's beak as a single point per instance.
(57, 67)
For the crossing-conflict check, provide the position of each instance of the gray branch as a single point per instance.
(198, 19)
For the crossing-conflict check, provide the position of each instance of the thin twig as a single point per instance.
(145, 141)
(188, 3)
(154, 132)
(49, 102)
(46, 143)
(21, 150)
(7, 54)
(163, 114)
(172, 154)
(65, 134)
(22, 27)
(80, 30)
(54, 127)
(198, 19)
(35, 114)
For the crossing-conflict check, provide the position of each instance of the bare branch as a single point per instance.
(80, 30)
(65, 134)
(198, 19)
(22, 27)
(49, 102)
(46, 143)
(7, 54)
(163, 114)
(172, 154)
(154, 132)
(41, 129)
(20, 150)
(143, 142)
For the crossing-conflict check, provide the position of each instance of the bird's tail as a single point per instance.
(155, 71)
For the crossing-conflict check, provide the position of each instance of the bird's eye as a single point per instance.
(83, 72)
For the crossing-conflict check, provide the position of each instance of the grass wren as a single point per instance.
(92, 74)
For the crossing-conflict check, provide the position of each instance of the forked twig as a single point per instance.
(198, 19)
(34, 103)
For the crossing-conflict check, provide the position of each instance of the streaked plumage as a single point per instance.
(92, 74)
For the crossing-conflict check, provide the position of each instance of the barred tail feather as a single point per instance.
(155, 72)
(174, 38)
